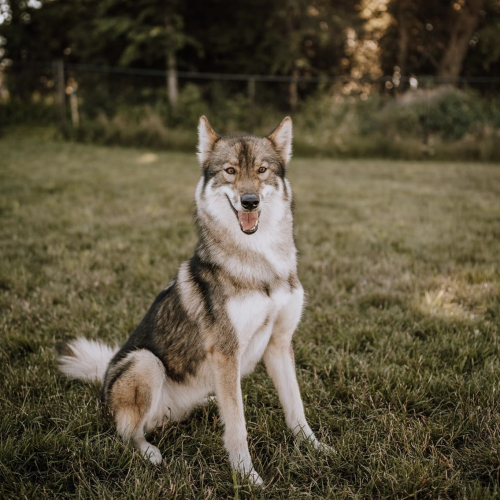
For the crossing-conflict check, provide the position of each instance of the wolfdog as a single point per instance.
(236, 301)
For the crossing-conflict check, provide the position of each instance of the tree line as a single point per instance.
(446, 38)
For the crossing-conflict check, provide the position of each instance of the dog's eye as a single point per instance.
(262, 170)
(230, 171)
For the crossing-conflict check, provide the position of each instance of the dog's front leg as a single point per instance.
(226, 372)
(280, 365)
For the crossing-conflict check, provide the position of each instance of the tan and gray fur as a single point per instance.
(236, 301)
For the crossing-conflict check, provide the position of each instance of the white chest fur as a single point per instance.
(253, 316)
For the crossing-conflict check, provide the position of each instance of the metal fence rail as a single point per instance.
(257, 78)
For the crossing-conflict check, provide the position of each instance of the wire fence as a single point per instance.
(246, 77)
(73, 96)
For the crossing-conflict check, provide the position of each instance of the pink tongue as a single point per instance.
(248, 220)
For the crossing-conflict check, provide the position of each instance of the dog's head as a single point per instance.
(243, 175)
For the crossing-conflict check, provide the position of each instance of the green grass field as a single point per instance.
(397, 354)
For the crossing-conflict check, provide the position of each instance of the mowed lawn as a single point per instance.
(397, 354)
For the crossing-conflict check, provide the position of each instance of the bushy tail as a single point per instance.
(86, 359)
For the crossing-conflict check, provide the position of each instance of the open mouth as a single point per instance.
(248, 221)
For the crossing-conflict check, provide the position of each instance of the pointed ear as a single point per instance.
(207, 137)
(281, 137)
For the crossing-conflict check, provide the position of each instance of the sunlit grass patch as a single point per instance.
(465, 297)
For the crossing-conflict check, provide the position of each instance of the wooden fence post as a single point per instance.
(58, 70)
(251, 100)
(294, 91)
(3, 96)
(73, 101)
(427, 112)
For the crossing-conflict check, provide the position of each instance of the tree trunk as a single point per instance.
(293, 88)
(294, 92)
(460, 33)
(172, 81)
(404, 36)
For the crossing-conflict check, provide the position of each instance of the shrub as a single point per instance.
(36, 111)
(456, 114)
(442, 122)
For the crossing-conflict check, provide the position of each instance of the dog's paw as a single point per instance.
(255, 479)
(251, 477)
(316, 445)
(151, 453)
(324, 448)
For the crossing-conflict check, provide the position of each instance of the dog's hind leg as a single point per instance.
(133, 391)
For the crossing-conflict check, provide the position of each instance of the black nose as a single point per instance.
(250, 201)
